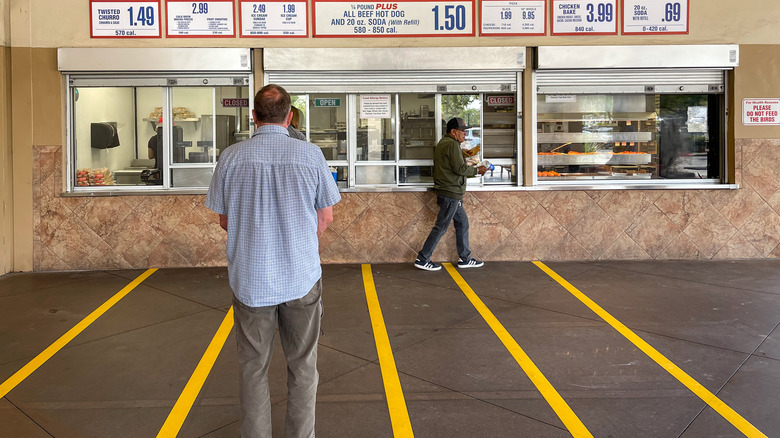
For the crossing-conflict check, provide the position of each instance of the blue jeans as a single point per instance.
(299, 329)
(449, 210)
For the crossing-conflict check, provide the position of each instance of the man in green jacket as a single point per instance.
(449, 181)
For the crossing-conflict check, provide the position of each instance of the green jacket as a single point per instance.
(450, 169)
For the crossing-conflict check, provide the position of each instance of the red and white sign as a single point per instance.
(235, 103)
(400, 18)
(203, 19)
(761, 111)
(125, 19)
(500, 100)
(584, 17)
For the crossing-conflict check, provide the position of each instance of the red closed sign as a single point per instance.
(500, 100)
(235, 103)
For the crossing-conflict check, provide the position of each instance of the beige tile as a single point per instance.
(368, 233)
(710, 231)
(682, 248)
(192, 238)
(396, 251)
(163, 213)
(568, 248)
(485, 232)
(511, 208)
(743, 204)
(653, 232)
(103, 214)
(367, 197)
(397, 209)
(73, 242)
(45, 260)
(510, 249)
(346, 210)
(681, 206)
(567, 206)
(341, 252)
(540, 233)
(763, 177)
(624, 206)
(104, 257)
(418, 229)
(216, 257)
(134, 247)
(164, 255)
(737, 248)
(762, 230)
(595, 230)
(625, 248)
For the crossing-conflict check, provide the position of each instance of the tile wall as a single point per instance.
(178, 231)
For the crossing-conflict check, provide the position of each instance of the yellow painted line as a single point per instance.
(399, 416)
(187, 398)
(52, 349)
(556, 402)
(703, 393)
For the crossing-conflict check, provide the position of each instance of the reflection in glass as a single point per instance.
(416, 174)
(374, 175)
(328, 124)
(418, 126)
(376, 127)
(627, 136)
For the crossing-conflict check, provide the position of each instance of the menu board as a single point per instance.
(273, 18)
(125, 19)
(584, 17)
(515, 17)
(336, 18)
(214, 18)
(641, 17)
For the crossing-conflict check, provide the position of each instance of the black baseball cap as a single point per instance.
(456, 123)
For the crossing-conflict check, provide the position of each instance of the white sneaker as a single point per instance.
(470, 263)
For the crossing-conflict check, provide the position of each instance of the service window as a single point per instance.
(629, 136)
(152, 132)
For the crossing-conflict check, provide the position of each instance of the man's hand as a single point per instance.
(223, 221)
(324, 218)
(482, 169)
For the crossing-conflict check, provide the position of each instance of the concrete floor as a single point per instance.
(120, 377)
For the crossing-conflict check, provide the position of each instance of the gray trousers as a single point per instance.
(299, 330)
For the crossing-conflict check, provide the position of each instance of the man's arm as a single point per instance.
(223, 221)
(324, 218)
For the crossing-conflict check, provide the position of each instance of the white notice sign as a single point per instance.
(402, 18)
(125, 19)
(515, 17)
(273, 18)
(584, 17)
(655, 17)
(212, 18)
(761, 111)
(375, 106)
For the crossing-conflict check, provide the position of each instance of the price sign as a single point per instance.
(402, 18)
(518, 17)
(273, 18)
(125, 19)
(214, 18)
(761, 111)
(642, 17)
(584, 17)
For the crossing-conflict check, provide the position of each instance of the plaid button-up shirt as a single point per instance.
(270, 188)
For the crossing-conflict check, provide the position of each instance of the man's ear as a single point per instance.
(289, 119)
(254, 117)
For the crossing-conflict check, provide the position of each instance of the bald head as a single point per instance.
(272, 105)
